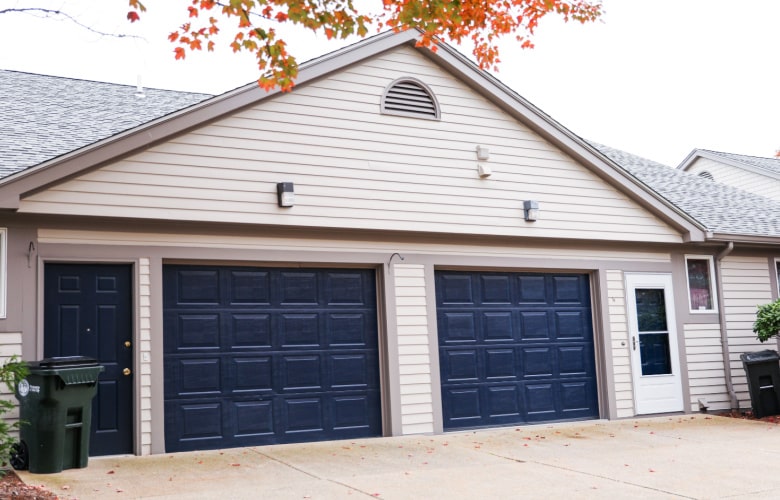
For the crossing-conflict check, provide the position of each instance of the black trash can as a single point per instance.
(55, 407)
(763, 374)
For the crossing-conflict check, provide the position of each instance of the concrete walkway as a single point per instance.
(666, 457)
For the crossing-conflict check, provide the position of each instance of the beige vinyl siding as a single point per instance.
(145, 351)
(454, 248)
(746, 284)
(706, 374)
(621, 356)
(356, 168)
(748, 180)
(413, 349)
(10, 345)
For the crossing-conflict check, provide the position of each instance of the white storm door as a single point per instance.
(655, 361)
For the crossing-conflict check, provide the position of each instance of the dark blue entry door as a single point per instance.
(88, 312)
(269, 355)
(515, 348)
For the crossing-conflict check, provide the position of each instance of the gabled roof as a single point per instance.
(164, 127)
(765, 166)
(726, 211)
(43, 117)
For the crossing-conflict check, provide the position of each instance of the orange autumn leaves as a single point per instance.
(480, 22)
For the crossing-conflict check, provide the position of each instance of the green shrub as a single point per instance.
(767, 323)
(11, 372)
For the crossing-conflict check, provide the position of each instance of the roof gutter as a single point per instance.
(743, 239)
(724, 338)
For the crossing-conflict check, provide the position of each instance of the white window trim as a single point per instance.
(3, 271)
(713, 285)
(776, 270)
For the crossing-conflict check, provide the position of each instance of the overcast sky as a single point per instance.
(657, 78)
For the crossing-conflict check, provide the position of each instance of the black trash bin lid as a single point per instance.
(67, 362)
(760, 356)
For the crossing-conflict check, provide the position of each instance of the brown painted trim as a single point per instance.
(389, 376)
(602, 344)
(433, 348)
(157, 352)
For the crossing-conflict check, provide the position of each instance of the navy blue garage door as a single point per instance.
(268, 355)
(515, 348)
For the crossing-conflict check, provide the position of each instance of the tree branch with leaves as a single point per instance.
(254, 25)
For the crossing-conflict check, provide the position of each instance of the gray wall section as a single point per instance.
(25, 293)
(22, 285)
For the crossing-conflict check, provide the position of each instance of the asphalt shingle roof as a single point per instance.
(42, 117)
(768, 164)
(718, 207)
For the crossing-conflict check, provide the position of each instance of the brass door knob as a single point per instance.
(127, 343)
(126, 371)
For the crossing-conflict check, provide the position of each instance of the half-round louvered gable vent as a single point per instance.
(410, 97)
(706, 175)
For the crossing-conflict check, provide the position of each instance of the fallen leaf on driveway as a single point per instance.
(110, 472)
(235, 465)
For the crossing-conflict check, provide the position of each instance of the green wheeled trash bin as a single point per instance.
(763, 376)
(55, 408)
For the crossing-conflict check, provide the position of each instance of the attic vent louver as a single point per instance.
(410, 97)
(706, 175)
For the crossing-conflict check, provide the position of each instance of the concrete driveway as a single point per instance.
(666, 457)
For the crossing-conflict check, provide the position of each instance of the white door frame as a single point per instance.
(661, 393)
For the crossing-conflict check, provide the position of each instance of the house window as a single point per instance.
(3, 269)
(777, 266)
(701, 292)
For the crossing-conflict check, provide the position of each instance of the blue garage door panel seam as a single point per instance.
(259, 356)
(515, 348)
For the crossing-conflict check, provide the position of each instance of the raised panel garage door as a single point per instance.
(259, 356)
(515, 348)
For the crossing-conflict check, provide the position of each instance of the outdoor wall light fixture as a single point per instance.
(285, 194)
(531, 209)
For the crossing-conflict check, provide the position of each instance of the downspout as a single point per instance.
(724, 338)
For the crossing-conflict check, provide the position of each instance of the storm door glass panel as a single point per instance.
(653, 331)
